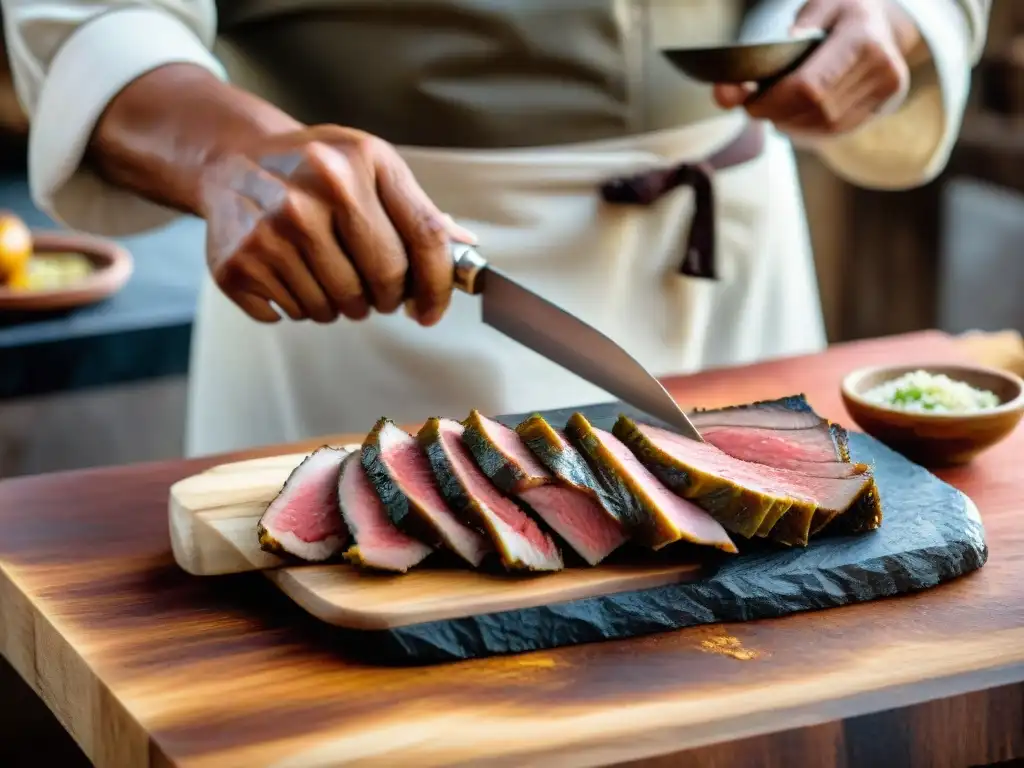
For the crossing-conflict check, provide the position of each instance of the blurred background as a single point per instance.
(106, 384)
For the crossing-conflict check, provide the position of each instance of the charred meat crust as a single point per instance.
(567, 464)
(863, 516)
(402, 512)
(581, 434)
(467, 508)
(464, 507)
(502, 455)
(866, 513)
(502, 470)
(738, 509)
(795, 404)
(665, 517)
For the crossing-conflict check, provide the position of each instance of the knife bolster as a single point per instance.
(469, 268)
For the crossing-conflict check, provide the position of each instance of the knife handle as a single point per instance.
(469, 268)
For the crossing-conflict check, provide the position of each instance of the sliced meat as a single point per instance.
(404, 482)
(661, 516)
(502, 455)
(810, 451)
(866, 514)
(553, 449)
(770, 433)
(577, 517)
(793, 412)
(742, 495)
(303, 520)
(520, 542)
(808, 444)
(379, 545)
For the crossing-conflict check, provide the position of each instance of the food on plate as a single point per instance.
(378, 544)
(578, 518)
(659, 516)
(403, 480)
(22, 269)
(15, 248)
(303, 520)
(747, 498)
(923, 392)
(52, 271)
(773, 470)
(520, 541)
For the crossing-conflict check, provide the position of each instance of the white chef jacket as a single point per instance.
(254, 384)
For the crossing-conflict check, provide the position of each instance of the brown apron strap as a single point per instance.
(649, 187)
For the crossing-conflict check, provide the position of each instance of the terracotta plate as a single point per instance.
(113, 267)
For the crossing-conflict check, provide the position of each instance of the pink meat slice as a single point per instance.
(690, 522)
(378, 544)
(518, 539)
(828, 493)
(410, 471)
(808, 451)
(303, 520)
(577, 517)
(515, 451)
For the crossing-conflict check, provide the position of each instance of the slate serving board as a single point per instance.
(931, 533)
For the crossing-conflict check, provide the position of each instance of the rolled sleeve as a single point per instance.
(912, 145)
(65, 87)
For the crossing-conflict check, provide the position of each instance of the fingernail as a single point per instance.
(459, 232)
(432, 316)
(799, 29)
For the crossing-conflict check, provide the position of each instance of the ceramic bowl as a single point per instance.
(936, 439)
(756, 62)
(112, 268)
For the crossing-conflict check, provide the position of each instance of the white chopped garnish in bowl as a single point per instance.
(923, 392)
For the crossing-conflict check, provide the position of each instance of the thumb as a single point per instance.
(729, 95)
(817, 14)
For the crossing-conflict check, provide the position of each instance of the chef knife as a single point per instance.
(563, 338)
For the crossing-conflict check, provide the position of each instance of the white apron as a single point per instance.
(538, 216)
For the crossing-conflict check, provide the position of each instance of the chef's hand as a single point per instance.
(323, 222)
(854, 72)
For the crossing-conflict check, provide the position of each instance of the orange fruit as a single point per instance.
(15, 245)
(19, 281)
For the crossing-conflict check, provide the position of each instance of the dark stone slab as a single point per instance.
(930, 534)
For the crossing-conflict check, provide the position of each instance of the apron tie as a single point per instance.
(649, 187)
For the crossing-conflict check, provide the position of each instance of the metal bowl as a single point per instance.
(756, 62)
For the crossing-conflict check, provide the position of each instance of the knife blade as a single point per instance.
(563, 338)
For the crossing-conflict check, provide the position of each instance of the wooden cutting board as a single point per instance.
(213, 518)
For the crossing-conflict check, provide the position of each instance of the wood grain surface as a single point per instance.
(146, 665)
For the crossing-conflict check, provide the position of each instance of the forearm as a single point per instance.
(911, 146)
(159, 133)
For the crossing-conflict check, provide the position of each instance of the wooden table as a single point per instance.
(145, 665)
